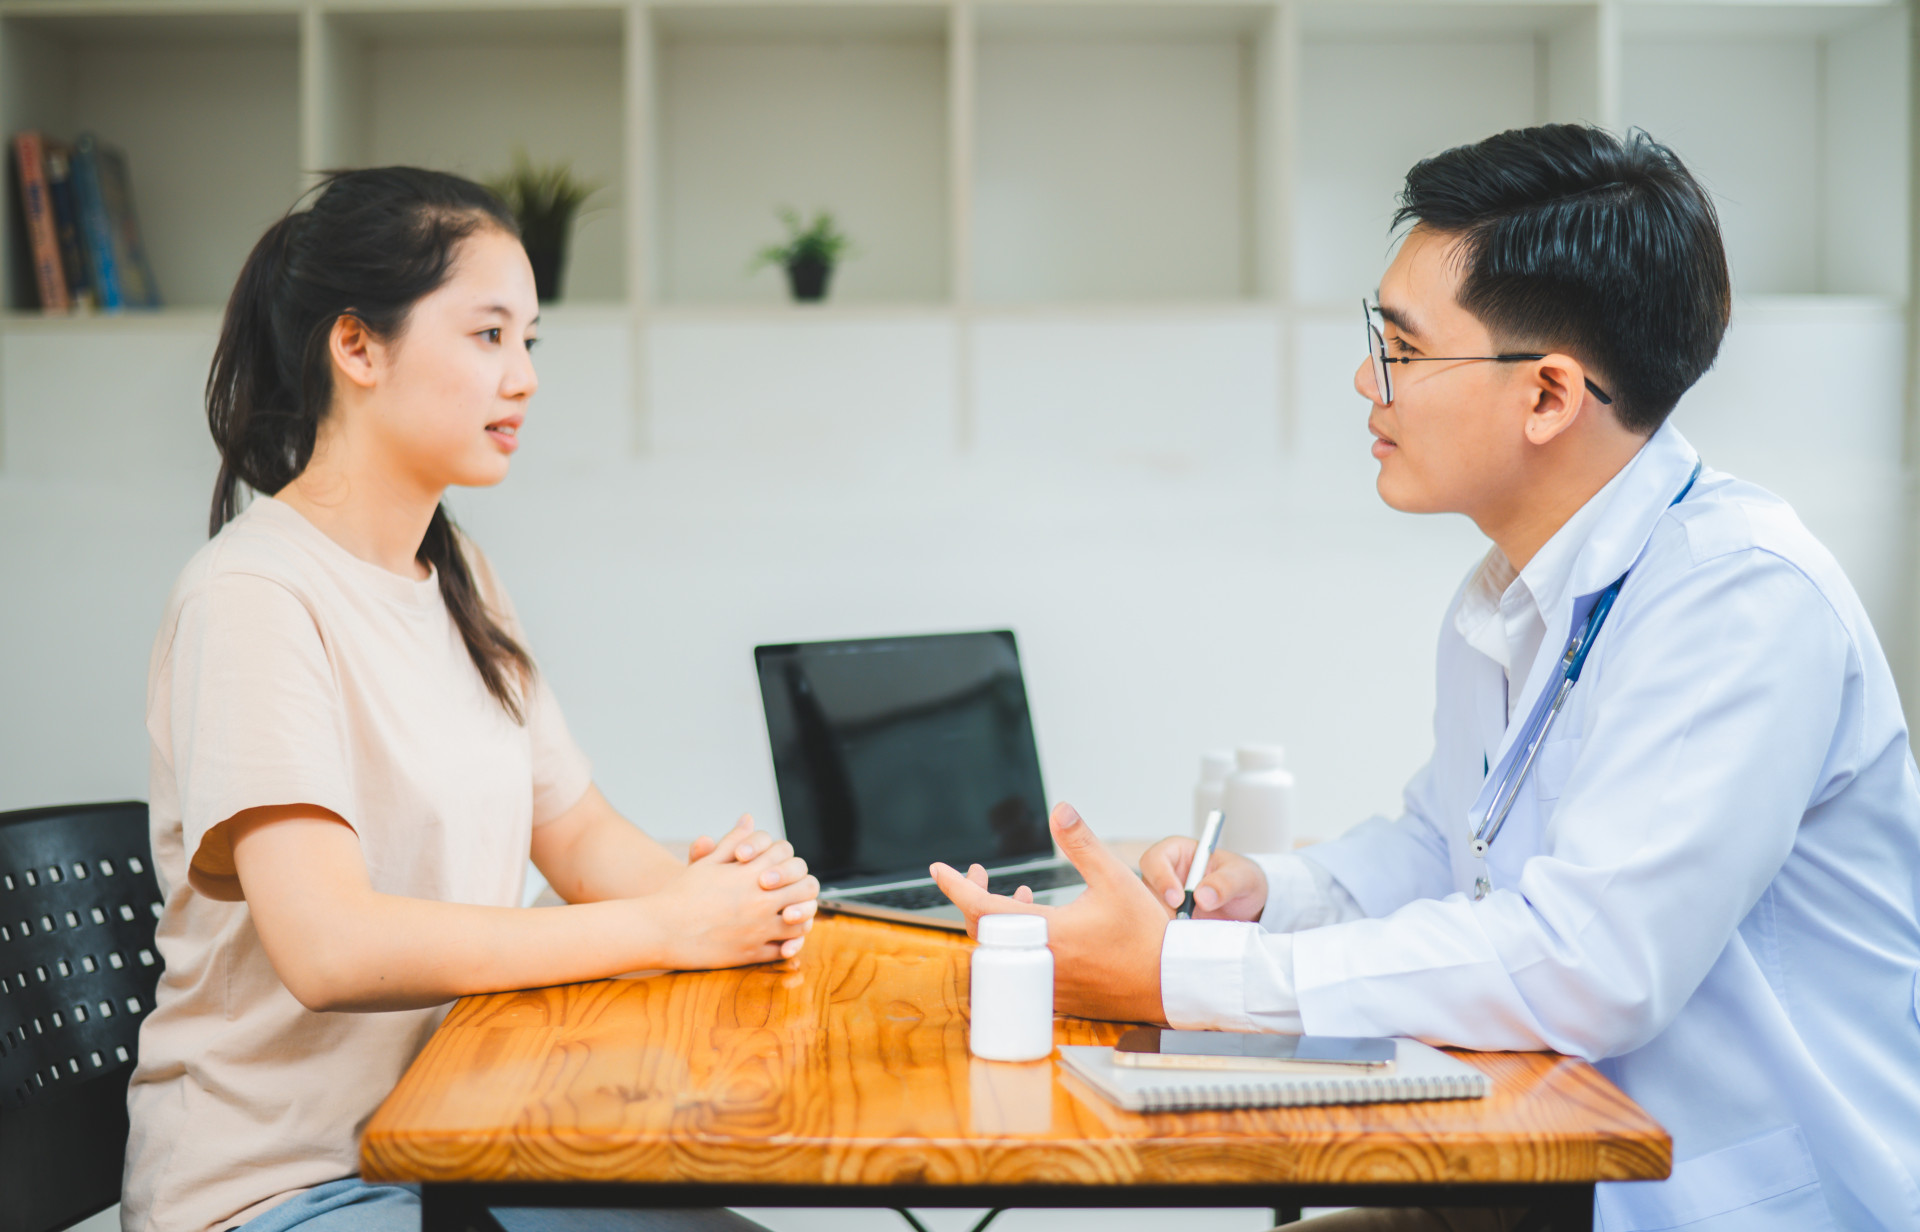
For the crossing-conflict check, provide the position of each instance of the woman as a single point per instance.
(353, 753)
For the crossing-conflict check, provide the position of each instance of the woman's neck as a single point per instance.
(378, 515)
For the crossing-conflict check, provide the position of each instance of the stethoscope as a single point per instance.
(1575, 658)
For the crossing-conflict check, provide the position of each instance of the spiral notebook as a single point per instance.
(1419, 1072)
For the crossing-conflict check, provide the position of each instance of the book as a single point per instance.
(137, 286)
(49, 277)
(1418, 1073)
(66, 221)
(96, 231)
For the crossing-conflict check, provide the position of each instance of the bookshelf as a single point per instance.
(206, 104)
(1001, 165)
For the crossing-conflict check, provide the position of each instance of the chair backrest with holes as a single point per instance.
(78, 902)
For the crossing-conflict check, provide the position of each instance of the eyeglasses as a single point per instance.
(1383, 374)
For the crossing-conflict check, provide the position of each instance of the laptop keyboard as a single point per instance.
(915, 898)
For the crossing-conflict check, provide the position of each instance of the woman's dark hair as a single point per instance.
(1577, 241)
(372, 244)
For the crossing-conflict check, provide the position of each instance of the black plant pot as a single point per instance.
(808, 277)
(548, 255)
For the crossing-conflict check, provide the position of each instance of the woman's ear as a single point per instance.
(1559, 391)
(353, 348)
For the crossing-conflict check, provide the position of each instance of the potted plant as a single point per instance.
(809, 255)
(545, 201)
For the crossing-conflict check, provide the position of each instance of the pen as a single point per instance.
(1202, 855)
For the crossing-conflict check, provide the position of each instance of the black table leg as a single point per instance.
(454, 1208)
(1283, 1215)
(1576, 1213)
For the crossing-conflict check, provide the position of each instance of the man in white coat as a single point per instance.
(1703, 867)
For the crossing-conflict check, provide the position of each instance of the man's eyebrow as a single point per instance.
(1398, 319)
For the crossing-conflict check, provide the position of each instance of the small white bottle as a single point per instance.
(1207, 795)
(1011, 1001)
(1258, 801)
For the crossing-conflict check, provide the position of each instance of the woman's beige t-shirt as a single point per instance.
(289, 671)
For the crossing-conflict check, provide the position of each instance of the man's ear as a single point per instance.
(354, 350)
(1558, 391)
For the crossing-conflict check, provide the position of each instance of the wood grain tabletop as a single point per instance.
(849, 1065)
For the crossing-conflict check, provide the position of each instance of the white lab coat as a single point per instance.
(1708, 885)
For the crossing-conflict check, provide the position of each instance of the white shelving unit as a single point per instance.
(1101, 164)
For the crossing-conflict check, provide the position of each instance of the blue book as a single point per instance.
(96, 228)
(137, 286)
(66, 222)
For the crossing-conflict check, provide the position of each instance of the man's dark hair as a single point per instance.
(1574, 240)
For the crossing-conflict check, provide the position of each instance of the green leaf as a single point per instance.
(544, 199)
(819, 239)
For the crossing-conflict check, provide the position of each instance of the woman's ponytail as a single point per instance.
(260, 423)
(372, 244)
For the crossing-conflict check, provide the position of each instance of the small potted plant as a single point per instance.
(809, 255)
(545, 201)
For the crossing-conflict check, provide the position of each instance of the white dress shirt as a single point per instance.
(1707, 885)
(1498, 613)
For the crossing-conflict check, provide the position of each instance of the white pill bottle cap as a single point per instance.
(1012, 931)
(1260, 756)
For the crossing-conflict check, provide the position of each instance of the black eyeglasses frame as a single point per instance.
(1383, 375)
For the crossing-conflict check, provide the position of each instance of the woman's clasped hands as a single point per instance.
(743, 898)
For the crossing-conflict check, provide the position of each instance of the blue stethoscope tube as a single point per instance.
(1571, 662)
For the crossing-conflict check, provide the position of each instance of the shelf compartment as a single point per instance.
(206, 108)
(1383, 86)
(462, 91)
(1121, 152)
(831, 108)
(1782, 111)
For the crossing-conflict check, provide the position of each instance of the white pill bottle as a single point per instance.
(1258, 801)
(1011, 999)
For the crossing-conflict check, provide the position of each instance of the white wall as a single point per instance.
(1178, 577)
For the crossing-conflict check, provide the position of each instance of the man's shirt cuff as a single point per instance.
(1227, 975)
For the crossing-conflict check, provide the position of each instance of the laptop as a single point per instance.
(893, 752)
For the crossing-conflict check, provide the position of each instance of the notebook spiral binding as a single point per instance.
(1377, 1089)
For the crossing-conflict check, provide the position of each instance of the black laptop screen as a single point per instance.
(893, 752)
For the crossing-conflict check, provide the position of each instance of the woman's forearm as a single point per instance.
(591, 853)
(338, 944)
(384, 952)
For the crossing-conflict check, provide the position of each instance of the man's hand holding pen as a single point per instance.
(1234, 888)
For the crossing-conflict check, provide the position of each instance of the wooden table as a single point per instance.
(842, 1078)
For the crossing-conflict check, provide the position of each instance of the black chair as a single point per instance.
(78, 902)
